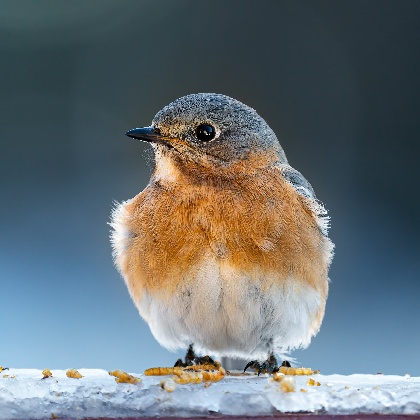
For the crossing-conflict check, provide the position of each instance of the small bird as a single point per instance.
(226, 249)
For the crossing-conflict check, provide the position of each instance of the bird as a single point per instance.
(226, 250)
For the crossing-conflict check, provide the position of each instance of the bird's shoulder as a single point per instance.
(302, 186)
(297, 180)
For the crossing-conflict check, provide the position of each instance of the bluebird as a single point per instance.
(225, 252)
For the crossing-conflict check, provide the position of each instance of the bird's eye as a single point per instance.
(205, 132)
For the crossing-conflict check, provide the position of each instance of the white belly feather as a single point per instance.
(233, 318)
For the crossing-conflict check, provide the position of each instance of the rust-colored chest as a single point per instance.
(254, 225)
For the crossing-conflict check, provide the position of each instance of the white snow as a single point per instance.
(98, 395)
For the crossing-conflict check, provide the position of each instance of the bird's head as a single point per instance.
(210, 131)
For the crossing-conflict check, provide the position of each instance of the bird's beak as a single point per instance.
(150, 134)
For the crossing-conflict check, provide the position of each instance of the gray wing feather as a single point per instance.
(304, 188)
(298, 181)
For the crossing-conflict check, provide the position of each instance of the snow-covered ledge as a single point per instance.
(23, 394)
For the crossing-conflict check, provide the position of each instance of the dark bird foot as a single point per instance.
(269, 366)
(191, 359)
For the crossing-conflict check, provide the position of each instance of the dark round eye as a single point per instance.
(205, 132)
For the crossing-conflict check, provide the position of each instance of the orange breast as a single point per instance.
(255, 224)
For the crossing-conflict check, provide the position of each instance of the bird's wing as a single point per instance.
(298, 181)
(304, 188)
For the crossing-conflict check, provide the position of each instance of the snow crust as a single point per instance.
(98, 395)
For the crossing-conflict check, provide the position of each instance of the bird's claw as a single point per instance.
(253, 363)
(191, 360)
(265, 367)
(205, 360)
(179, 363)
(269, 366)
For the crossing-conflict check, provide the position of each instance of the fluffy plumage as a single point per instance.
(227, 246)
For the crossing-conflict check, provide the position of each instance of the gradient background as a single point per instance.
(339, 82)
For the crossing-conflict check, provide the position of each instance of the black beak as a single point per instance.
(149, 134)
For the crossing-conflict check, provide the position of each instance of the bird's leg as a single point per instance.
(189, 358)
(192, 359)
(269, 366)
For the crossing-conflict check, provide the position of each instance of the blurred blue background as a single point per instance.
(337, 81)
